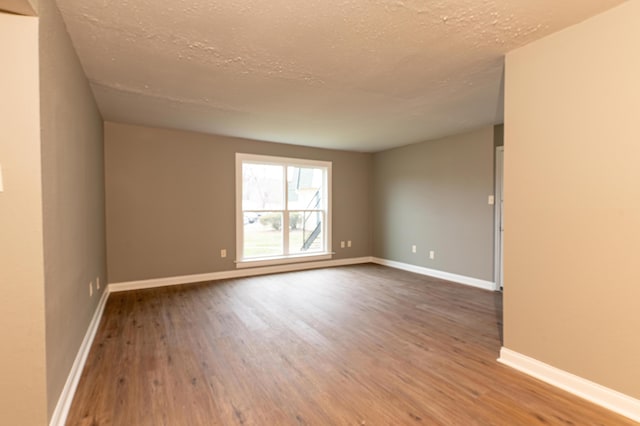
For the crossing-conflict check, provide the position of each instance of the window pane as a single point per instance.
(263, 234)
(262, 187)
(305, 188)
(306, 234)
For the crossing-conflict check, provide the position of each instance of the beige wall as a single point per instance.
(73, 198)
(20, 7)
(434, 195)
(171, 200)
(22, 333)
(572, 200)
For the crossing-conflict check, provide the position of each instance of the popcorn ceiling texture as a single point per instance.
(349, 74)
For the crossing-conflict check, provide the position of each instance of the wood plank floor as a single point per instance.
(357, 345)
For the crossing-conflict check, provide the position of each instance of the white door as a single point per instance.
(499, 222)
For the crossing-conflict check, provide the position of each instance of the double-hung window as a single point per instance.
(283, 210)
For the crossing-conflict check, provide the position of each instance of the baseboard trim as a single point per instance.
(460, 279)
(593, 392)
(236, 273)
(61, 411)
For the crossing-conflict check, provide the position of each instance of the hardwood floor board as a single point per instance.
(358, 345)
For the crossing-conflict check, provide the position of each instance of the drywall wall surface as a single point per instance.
(171, 200)
(20, 7)
(572, 200)
(73, 198)
(22, 332)
(434, 195)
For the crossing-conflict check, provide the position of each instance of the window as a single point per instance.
(283, 210)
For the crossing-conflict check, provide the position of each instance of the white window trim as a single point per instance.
(280, 260)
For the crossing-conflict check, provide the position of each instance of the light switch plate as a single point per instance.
(492, 200)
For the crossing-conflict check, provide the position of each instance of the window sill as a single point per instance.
(282, 260)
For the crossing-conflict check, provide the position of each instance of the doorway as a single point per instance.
(499, 220)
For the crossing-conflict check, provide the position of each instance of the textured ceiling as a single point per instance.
(361, 75)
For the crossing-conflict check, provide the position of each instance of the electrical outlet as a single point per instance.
(341, 244)
(223, 253)
(349, 243)
(90, 289)
(414, 249)
(432, 254)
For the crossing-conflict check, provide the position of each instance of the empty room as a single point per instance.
(390, 212)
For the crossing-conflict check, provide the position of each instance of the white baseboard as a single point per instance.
(593, 392)
(237, 273)
(460, 279)
(61, 411)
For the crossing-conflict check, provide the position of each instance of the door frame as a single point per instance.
(498, 270)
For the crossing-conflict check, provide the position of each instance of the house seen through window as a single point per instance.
(283, 209)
